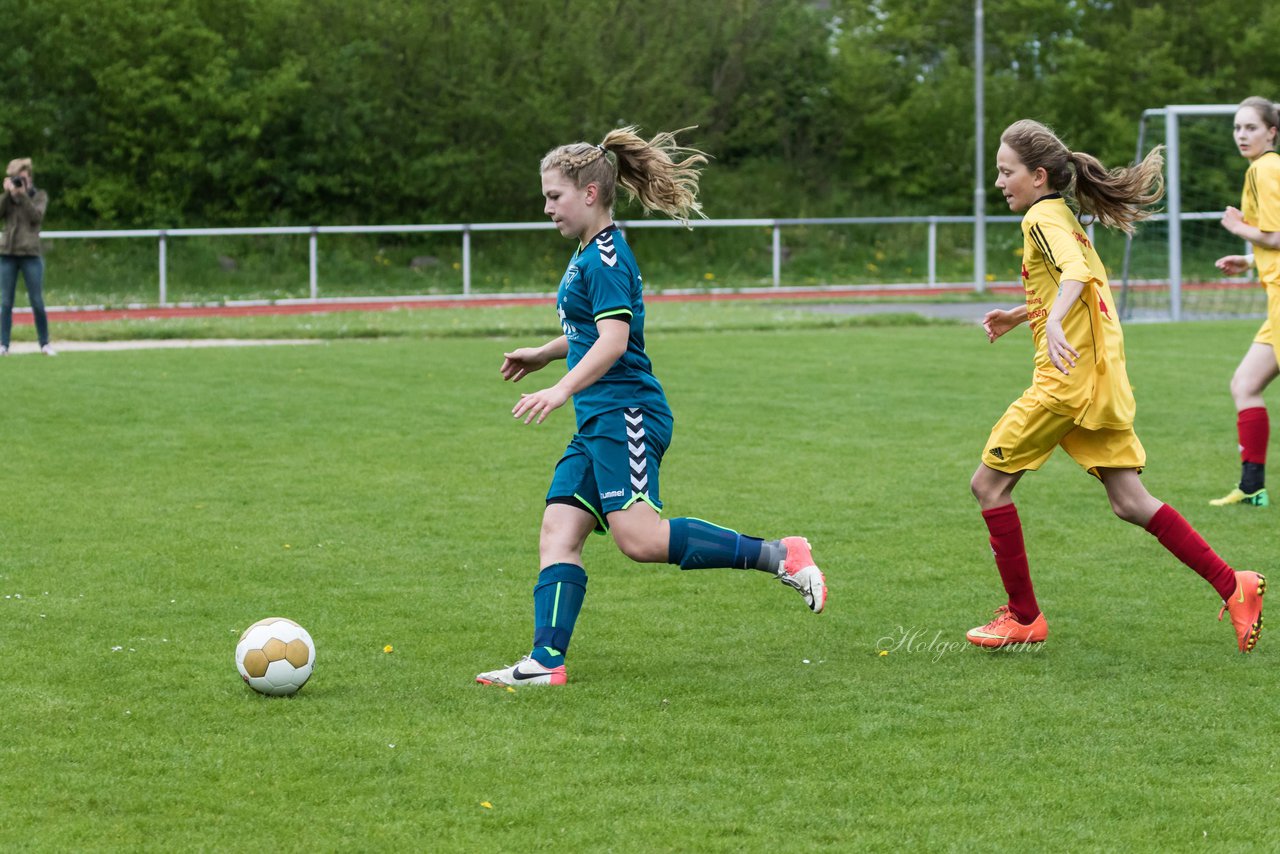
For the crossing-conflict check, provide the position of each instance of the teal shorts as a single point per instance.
(612, 462)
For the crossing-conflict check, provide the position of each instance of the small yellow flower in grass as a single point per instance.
(510, 690)
(883, 653)
(287, 546)
(486, 805)
(710, 277)
(388, 648)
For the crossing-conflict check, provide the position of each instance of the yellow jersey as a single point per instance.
(1096, 394)
(1260, 204)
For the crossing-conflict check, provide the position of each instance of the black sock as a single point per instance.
(1253, 476)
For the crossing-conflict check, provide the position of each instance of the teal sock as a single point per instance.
(557, 600)
(696, 544)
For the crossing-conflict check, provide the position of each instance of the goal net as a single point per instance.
(1168, 271)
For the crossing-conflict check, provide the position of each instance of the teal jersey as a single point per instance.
(603, 282)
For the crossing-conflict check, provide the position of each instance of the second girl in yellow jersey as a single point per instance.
(1079, 396)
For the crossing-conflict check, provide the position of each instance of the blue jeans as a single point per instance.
(32, 267)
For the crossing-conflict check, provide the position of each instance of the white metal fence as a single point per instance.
(465, 230)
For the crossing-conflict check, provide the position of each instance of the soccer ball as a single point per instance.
(275, 656)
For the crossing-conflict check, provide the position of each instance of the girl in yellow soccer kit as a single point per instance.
(1257, 220)
(1079, 397)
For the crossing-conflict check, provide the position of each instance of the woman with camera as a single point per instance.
(22, 208)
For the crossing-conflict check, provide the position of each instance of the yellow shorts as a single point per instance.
(1027, 434)
(1265, 334)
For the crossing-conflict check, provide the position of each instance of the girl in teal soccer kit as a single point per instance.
(607, 479)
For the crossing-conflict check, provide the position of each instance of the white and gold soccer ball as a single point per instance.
(275, 656)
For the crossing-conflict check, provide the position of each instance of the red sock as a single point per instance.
(1176, 534)
(1011, 561)
(1255, 429)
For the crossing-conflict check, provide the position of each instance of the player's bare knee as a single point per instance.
(1242, 388)
(987, 493)
(635, 545)
(976, 486)
(1128, 508)
(549, 533)
(1121, 509)
(557, 538)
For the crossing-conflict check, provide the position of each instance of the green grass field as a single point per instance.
(378, 492)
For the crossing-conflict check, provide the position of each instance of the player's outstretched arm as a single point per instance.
(1233, 221)
(608, 348)
(518, 364)
(997, 322)
(1234, 265)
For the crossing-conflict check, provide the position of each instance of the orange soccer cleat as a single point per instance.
(1245, 607)
(799, 572)
(1005, 630)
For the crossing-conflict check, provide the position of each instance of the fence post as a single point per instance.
(777, 255)
(933, 251)
(313, 259)
(1173, 204)
(466, 260)
(164, 279)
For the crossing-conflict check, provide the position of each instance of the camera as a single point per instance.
(18, 181)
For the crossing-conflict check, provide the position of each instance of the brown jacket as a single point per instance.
(22, 218)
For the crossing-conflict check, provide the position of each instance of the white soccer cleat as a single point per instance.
(799, 571)
(48, 351)
(526, 671)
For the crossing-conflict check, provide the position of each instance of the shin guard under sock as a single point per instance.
(696, 544)
(557, 600)
(1005, 529)
(1254, 428)
(1176, 534)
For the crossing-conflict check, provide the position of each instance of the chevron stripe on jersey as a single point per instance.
(608, 252)
(636, 449)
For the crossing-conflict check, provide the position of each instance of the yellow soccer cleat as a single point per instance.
(1237, 496)
(1245, 607)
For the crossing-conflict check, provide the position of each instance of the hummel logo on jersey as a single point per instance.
(570, 331)
(608, 252)
(997, 453)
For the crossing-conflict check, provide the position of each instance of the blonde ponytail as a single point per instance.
(660, 173)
